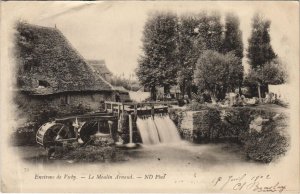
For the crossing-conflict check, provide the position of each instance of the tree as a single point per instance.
(233, 41)
(158, 64)
(197, 32)
(260, 50)
(217, 72)
(214, 32)
(233, 36)
(272, 72)
(190, 45)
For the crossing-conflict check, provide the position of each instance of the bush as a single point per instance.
(267, 145)
(91, 153)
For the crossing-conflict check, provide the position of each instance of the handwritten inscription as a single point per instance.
(244, 182)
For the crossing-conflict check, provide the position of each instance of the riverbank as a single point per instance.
(261, 131)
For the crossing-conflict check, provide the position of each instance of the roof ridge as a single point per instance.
(39, 26)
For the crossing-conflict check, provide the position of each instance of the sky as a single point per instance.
(113, 30)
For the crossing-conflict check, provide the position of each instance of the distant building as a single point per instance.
(174, 92)
(100, 68)
(51, 72)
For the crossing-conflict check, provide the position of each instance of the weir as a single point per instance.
(157, 129)
(151, 119)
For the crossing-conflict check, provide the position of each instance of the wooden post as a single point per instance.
(152, 111)
(110, 128)
(113, 134)
(259, 94)
(135, 110)
(119, 124)
(130, 128)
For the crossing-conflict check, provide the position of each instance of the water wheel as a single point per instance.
(91, 128)
(48, 133)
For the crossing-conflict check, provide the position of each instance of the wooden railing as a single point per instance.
(120, 106)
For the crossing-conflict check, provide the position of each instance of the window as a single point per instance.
(43, 84)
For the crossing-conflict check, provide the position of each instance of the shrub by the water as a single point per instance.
(176, 115)
(92, 153)
(216, 124)
(88, 153)
(268, 144)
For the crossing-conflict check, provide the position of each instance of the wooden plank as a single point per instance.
(87, 117)
(141, 103)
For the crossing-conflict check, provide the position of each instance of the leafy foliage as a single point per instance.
(233, 42)
(269, 144)
(190, 44)
(173, 45)
(260, 50)
(233, 36)
(216, 72)
(270, 73)
(89, 153)
(157, 66)
(214, 32)
(233, 124)
(196, 34)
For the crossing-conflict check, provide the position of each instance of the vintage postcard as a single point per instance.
(150, 96)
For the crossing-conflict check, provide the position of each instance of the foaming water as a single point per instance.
(157, 130)
(148, 131)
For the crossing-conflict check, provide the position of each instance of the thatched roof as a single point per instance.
(48, 64)
(100, 67)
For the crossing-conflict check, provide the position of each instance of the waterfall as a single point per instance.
(167, 129)
(161, 129)
(147, 130)
(154, 138)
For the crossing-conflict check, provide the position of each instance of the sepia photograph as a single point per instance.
(150, 96)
